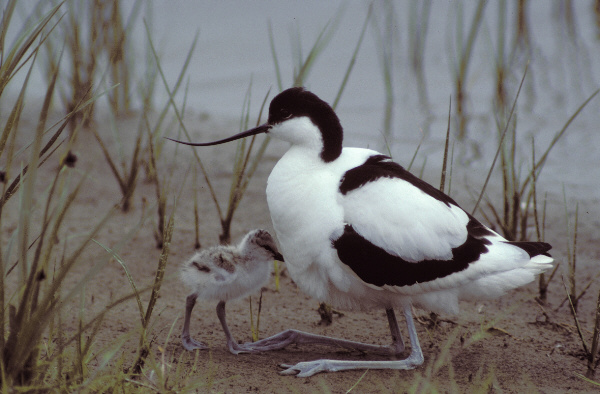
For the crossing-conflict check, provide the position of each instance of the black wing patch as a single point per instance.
(374, 265)
(381, 166)
(533, 248)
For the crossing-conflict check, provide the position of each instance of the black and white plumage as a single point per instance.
(360, 232)
(226, 273)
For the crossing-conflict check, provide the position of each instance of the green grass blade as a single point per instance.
(119, 260)
(577, 325)
(13, 119)
(21, 345)
(320, 43)
(65, 121)
(245, 176)
(595, 337)
(264, 144)
(6, 19)
(466, 55)
(70, 262)
(109, 160)
(101, 314)
(352, 59)
(274, 55)
(27, 202)
(412, 160)
(500, 143)
(586, 379)
(180, 120)
(178, 82)
(160, 272)
(445, 160)
(540, 164)
(16, 57)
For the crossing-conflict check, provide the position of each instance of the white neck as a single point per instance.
(299, 131)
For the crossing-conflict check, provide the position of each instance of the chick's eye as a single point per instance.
(285, 114)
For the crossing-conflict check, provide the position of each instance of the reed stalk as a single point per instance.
(465, 51)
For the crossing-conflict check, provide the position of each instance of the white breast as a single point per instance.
(303, 199)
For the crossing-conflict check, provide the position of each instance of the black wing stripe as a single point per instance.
(381, 166)
(374, 265)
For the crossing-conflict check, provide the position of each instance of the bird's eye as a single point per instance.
(201, 268)
(285, 114)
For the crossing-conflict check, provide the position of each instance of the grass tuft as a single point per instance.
(387, 40)
(255, 327)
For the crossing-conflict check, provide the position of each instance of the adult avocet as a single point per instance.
(226, 273)
(359, 231)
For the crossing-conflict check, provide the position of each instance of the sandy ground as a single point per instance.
(513, 344)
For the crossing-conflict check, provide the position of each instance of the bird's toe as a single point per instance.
(303, 369)
(191, 344)
(288, 369)
(243, 348)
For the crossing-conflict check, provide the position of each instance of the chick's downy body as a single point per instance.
(223, 273)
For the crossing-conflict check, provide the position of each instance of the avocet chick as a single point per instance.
(226, 273)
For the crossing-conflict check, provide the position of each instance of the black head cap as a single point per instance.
(296, 102)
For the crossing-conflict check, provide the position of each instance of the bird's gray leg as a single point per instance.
(397, 341)
(188, 342)
(232, 345)
(289, 337)
(309, 368)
